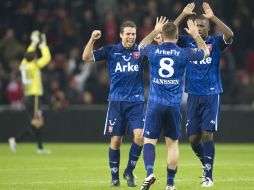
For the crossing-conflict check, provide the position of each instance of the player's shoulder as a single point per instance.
(148, 47)
(107, 48)
(214, 38)
(185, 37)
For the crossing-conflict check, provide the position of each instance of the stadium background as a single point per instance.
(76, 92)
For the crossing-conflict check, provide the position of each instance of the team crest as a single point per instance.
(136, 55)
(210, 47)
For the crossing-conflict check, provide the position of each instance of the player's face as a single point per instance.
(128, 37)
(158, 39)
(203, 27)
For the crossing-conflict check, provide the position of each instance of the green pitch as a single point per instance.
(85, 167)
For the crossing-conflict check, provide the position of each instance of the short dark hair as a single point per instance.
(30, 56)
(170, 30)
(127, 23)
(201, 17)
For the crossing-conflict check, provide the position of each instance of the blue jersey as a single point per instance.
(167, 66)
(126, 70)
(203, 77)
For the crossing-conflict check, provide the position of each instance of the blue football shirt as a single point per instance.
(203, 77)
(126, 71)
(167, 66)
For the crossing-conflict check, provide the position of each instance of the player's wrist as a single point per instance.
(184, 14)
(93, 39)
(196, 36)
(156, 31)
(33, 43)
(213, 17)
(42, 45)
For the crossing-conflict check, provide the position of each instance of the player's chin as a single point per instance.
(129, 44)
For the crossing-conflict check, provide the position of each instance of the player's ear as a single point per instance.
(121, 36)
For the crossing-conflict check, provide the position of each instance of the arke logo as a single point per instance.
(126, 59)
(112, 123)
(212, 121)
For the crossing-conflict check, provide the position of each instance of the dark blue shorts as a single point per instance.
(161, 117)
(122, 116)
(203, 113)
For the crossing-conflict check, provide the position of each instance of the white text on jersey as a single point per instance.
(165, 52)
(128, 67)
(165, 81)
(208, 60)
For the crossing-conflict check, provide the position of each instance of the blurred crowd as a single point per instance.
(68, 25)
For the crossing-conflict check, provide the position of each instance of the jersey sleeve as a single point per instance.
(45, 57)
(31, 48)
(194, 54)
(145, 49)
(222, 43)
(102, 53)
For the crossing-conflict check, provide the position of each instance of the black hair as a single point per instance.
(29, 56)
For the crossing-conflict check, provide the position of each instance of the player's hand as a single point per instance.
(160, 23)
(188, 10)
(35, 37)
(96, 34)
(208, 11)
(43, 41)
(37, 122)
(192, 28)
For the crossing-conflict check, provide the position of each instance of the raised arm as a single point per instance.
(228, 33)
(88, 51)
(193, 31)
(157, 29)
(45, 53)
(188, 10)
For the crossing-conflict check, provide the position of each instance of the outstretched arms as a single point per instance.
(193, 31)
(228, 33)
(88, 51)
(188, 10)
(157, 29)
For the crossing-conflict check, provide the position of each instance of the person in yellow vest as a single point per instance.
(30, 69)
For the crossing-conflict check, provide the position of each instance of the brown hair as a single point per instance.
(170, 30)
(127, 24)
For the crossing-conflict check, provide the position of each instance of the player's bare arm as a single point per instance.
(88, 51)
(157, 29)
(193, 31)
(228, 33)
(187, 11)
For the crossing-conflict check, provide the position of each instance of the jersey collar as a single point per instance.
(168, 44)
(208, 38)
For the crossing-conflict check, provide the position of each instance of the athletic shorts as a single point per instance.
(123, 116)
(203, 113)
(162, 118)
(33, 105)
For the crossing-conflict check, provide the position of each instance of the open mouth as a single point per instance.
(130, 41)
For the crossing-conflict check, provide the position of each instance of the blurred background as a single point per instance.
(71, 84)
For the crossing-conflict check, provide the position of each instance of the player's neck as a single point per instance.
(170, 40)
(125, 46)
